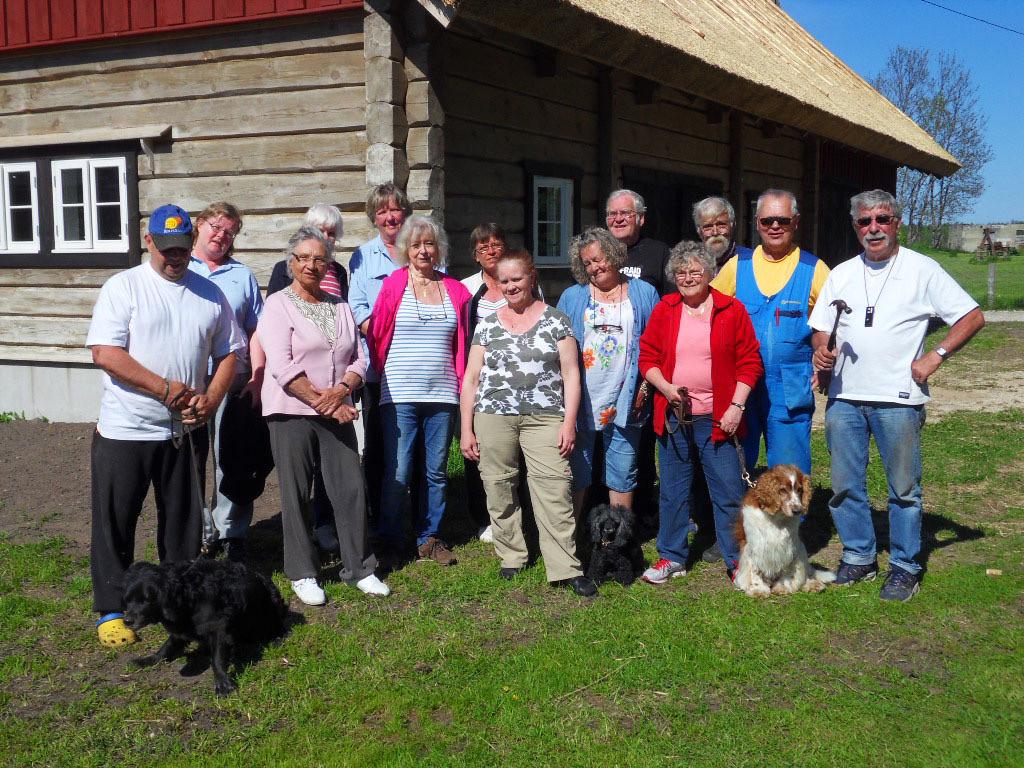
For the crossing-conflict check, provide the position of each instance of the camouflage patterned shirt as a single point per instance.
(521, 374)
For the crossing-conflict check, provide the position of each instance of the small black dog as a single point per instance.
(616, 552)
(216, 603)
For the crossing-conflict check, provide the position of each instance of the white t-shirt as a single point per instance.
(873, 363)
(171, 328)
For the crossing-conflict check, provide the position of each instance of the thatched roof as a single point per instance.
(745, 54)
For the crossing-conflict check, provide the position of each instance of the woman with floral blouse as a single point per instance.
(608, 312)
(521, 391)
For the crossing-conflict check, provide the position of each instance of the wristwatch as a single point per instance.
(942, 352)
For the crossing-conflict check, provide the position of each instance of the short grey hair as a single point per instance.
(873, 198)
(614, 251)
(784, 193)
(638, 202)
(304, 233)
(384, 193)
(411, 228)
(710, 207)
(683, 254)
(324, 215)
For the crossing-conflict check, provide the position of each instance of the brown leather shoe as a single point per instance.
(435, 549)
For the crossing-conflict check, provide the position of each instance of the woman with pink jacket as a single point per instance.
(418, 338)
(314, 363)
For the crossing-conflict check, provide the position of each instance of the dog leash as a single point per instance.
(177, 440)
(744, 473)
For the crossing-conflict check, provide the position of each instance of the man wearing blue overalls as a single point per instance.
(778, 284)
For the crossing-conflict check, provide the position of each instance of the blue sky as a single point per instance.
(863, 32)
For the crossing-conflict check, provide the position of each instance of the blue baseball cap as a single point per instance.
(170, 227)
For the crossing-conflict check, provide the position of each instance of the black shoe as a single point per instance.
(509, 573)
(581, 585)
(712, 554)
(234, 549)
(851, 574)
(900, 584)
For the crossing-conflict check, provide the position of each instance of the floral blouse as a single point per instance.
(522, 373)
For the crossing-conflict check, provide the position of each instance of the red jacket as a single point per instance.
(735, 354)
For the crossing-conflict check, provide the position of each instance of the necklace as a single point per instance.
(416, 299)
(869, 310)
(699, 312)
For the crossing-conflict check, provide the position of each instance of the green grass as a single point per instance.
(6, 417)
(973, 276)
(459, 667)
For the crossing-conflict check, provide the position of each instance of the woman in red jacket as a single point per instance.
(699, 345)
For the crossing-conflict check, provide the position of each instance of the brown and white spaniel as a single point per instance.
(773, 559)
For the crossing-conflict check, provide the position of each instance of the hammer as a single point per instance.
(842, 308)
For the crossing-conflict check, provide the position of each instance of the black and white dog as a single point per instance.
(215, 603)
(616, 552)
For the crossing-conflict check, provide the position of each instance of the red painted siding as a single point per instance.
(36, 23)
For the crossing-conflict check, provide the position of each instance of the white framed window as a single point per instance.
(19, 208)
(90, 205)
(553, 206)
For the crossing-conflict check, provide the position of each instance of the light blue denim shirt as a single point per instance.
(238, 284)
(369, 266)
(642, 297)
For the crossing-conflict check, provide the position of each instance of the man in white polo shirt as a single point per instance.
(153, 331)
(879, 384)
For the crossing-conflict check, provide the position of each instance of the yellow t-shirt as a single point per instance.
(771, 276)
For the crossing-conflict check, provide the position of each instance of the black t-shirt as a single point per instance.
(646, 259)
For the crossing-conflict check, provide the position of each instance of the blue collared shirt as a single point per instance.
(369, 266)
(238, 284)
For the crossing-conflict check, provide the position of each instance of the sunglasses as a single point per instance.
(770, 221)
(883, 219)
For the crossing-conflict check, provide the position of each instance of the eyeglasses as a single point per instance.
(883, 219)
(219, 230)
(305, 258)
(770, 221)
(716, 226)
(612, 215)
(490, 248)
(692, 274)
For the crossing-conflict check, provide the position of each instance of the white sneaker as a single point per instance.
(487, 535)
(371, 585)
(309, 592)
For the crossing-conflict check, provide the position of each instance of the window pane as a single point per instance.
(108, 189)
(550, 208)
(21, 225)
(72, 188)
(548, 241)
(74, 222)
(108, 222)
(19, 188)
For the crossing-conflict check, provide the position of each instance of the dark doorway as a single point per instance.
(836, 239)
(670, 198)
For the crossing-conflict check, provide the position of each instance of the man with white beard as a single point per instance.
(715, 221)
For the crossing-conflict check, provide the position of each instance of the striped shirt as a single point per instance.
(420, 368)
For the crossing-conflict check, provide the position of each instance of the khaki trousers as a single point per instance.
(550, 482)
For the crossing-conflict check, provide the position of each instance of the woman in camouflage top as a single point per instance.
(521, 392)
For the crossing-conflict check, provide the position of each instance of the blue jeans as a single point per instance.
(787, 433)
(620, 452)
(678, 455)
(226, 519)
(897, 431)
(401, 423)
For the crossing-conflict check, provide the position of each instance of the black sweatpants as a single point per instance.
(122, 471)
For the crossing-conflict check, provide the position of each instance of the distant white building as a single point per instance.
(967, 237)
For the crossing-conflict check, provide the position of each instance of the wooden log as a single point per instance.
(464, 213)
(385, 81)
(56, 278)
(379, 37)
(664, 144)
(337, 151)
(337, 33)
(268, 232)
(386, 163)
(45, 331)
(200, 80)
(385, 124)
(425, 147)
(69, 302)
(475, 177)
(472, 139)
(493, 106)
(34, 353)
(257, 192)
(778, 165)
(321, 109)
(422, 106)
(687, 168)
(426, 188)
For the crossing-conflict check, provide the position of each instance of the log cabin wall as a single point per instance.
(269, 117)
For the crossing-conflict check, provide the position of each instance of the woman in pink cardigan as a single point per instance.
(418, 334)
(314, 363)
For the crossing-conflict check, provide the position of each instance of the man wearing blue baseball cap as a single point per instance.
(153, 330)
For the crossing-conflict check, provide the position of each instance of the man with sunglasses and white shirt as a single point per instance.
(879, 384)
(779, 284)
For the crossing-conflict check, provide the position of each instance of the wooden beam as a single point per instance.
(810, 204)
(736, 196)
(606, 149)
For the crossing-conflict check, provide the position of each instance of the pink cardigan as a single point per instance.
(385, 309)
(294, 346)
